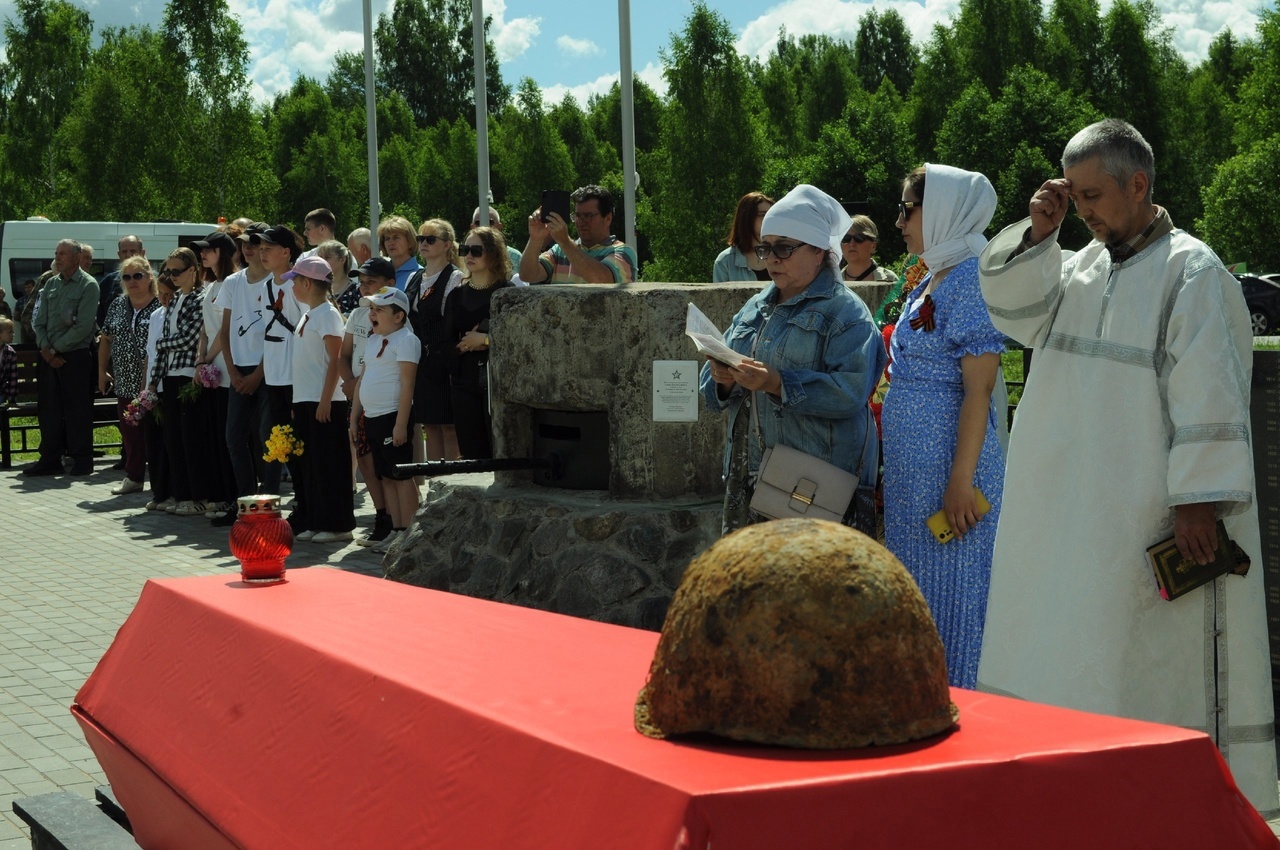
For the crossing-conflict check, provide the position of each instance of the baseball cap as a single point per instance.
(387, 296)
(278, 235)
(376, 266)
(313, 267)
(256, 228)
(217, 239)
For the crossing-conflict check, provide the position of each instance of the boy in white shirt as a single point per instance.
(385, 395)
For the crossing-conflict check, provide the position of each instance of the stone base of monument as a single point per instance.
(582, 553)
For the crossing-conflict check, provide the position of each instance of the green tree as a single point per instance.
(591, 156)
(712, 148)
(1239, 204)
(528, 156)
(995, 36)
(46, 61)
(862, 157)
(424, 50)
(1258, 109)
(1072, 35)
(934, 88)
(882, 49)
(320, 161)
(604, 112)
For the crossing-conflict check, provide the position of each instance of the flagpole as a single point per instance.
(629, 176)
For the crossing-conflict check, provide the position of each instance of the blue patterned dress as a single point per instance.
(920, 421)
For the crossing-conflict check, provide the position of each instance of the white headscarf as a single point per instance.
(959, 207)
(809, 214)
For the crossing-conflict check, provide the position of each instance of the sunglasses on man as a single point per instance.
(855, 237)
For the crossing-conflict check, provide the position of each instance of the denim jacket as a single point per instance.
(830, 355)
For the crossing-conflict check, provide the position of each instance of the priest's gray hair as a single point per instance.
(1120, 147)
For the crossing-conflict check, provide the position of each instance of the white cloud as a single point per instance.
(651, 74)
(578, 46)
(838, 19)
(515, 37)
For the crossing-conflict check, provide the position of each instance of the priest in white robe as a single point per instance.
(1133, 427)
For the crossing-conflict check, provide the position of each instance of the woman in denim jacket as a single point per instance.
(814, 356)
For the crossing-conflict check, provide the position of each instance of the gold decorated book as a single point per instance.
(1177, 575)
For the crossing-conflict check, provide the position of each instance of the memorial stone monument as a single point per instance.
(604, 378)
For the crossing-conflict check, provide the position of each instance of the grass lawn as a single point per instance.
(105, 439)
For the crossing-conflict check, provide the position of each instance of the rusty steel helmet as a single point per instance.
(799, 633)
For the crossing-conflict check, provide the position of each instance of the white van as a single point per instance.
(26, 247)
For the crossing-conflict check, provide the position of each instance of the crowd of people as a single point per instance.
(1133, 428)
(246, 358)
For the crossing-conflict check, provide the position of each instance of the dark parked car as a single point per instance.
(1262, 295)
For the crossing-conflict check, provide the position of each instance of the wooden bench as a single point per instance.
(104, 412)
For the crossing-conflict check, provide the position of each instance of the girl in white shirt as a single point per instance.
(322, 481)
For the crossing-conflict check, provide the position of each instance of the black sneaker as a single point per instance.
(374, 536)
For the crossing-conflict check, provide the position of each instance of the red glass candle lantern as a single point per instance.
(261, 539)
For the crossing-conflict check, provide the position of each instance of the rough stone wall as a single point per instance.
(591, 348)
(610, 560)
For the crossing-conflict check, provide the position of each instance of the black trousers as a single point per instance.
(65, 409)
(191, 463)
(472, 422)
(157, 459)
(322, 475)
(279, 407)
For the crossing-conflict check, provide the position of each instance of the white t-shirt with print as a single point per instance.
(311, 356)
(244, 298)
(277, 347)
(359, 326)
(380, 385)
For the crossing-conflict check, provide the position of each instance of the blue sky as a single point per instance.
(573, 46)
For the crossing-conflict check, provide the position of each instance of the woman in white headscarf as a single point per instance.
(814, 355)
(941, 427)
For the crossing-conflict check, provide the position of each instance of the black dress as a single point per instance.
(468, 309)
(432, 404)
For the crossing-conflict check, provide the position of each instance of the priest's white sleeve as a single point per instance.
(1209, 351)
(1022, 293)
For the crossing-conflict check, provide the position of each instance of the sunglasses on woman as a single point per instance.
(476, 251)
(429, 240)
(857, 238)
(905, 208)
(781, 250)
(135, 276)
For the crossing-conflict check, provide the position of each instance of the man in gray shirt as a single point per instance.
(64, 330)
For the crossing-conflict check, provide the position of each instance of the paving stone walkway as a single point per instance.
(73, 559)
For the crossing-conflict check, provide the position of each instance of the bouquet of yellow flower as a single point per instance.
(282, 445)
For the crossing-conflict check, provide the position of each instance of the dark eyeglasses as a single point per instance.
(905, 208)
(429, 240)
(781, 250)
(476, 251)
(852, 237)
(175, 272)
(135, 276)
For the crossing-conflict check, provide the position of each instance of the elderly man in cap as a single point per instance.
(857, 246)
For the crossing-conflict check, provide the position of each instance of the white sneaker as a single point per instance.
(188, 508)
(126, 486)
(216, 509)
(331, 537)
(304, 535)
(169, 505)
(383, 545)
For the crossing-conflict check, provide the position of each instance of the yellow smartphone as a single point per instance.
(941, 526)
